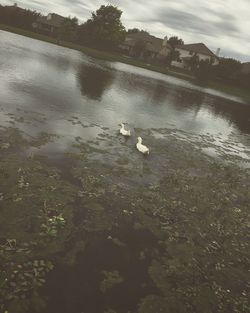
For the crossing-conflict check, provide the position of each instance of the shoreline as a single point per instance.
(113, 57)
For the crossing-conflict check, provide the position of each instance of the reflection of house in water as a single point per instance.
(60, 62)
(94, 81)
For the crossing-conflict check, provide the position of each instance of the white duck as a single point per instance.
(123, 131)
(140, 147)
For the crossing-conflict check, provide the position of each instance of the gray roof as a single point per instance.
(198, 48)
(153, 43)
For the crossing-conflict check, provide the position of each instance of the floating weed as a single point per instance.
(193, 217)
(110, 280)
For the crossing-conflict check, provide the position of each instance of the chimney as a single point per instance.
(165, 41)
(15, 5)
(217, 52)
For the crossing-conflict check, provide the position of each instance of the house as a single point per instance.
(49, 24)
(186, 52)
(152, 48)
(15, 8)
(245, 68)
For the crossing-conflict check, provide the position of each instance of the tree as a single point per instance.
(193, 62)
(173, 56)
(137, 30)
(104, 29)
(18, 17)
(175, 41)
(243, 79)
(204, 71)
(133, 30)
(228, 68)
(68, 31)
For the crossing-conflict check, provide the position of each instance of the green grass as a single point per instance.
(115, 57)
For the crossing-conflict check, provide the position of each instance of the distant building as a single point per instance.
(15, 8)
(245, 68)
(49, 24)
(154, 48)
(197, 49)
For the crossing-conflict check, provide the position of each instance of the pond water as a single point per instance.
(46, 85)
(102, 184)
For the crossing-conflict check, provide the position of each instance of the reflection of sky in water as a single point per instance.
(59, 83)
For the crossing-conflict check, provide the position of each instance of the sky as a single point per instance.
(223, 24)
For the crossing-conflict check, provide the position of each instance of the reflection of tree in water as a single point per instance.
(160, 93)
(236, 113)
(232, 112)
(186, 99)
(94, 81)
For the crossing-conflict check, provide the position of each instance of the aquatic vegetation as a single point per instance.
(53, 226)
(110, 280)
(175, 228)
(33, 201)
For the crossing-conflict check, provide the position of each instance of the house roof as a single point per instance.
(198, 48)
(15, 7)
(55, 20)
(153, 43)
(245, 67)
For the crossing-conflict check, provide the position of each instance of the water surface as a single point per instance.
(47, 84)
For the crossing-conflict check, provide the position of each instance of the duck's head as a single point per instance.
(121, 124)
(139, 139)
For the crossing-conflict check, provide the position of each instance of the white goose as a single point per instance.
(123, 131)
(140, 147)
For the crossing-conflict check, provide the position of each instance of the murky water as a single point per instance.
(45, 86)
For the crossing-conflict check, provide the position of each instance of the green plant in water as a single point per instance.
(110, 280)
(52, 226)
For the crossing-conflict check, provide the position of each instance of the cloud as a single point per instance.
(217, 23)
(191, 22)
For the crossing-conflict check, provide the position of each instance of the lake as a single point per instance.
(41, 78)
(122, 230)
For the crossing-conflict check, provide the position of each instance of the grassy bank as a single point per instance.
(232, 90)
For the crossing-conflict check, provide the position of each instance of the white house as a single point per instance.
(199, 49)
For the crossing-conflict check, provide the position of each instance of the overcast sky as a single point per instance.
(221, 24)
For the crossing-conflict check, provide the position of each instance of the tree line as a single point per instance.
(104, 30)
(10, 15)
